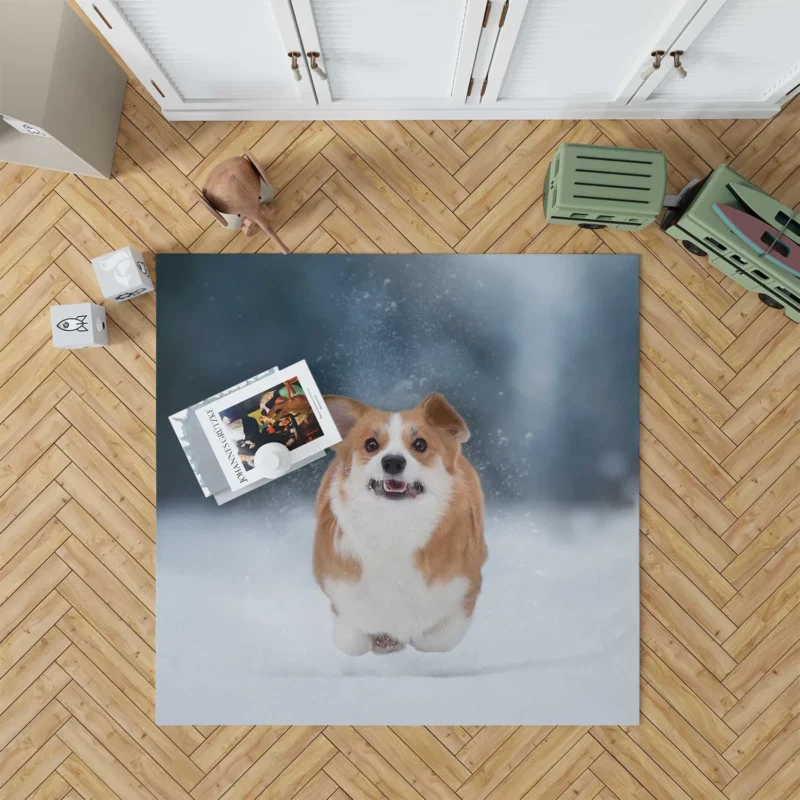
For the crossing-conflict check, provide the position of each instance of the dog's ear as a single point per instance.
(345, 412)
(440, 414)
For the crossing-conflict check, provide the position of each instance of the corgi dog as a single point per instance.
(399, 540)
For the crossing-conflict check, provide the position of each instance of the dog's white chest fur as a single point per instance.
(392, 596)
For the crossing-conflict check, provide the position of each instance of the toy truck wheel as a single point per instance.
(592, 226)
(693, 248)
(769, 301)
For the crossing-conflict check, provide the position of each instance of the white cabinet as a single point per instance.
(429, 59)
(375, 53)
(208, 54)
(591, 64)
(734, 58)
(748, 51)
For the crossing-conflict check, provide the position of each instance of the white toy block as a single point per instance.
(122, 274)
(78, 325)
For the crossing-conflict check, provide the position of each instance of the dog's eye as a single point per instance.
(420, 445)
(371, 445)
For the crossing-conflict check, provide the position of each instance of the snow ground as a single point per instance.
(239, 610)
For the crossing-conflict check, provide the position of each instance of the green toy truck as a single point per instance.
(702, 232)
(605, 187)
(613, 187)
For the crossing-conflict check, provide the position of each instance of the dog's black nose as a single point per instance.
(393, 465)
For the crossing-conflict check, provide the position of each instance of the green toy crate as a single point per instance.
(702, 232)
(598, 187)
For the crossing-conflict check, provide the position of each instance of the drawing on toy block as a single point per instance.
(122, 274)
(79, 325)
(74, 324)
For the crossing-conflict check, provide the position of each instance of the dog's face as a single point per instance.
(400, 457)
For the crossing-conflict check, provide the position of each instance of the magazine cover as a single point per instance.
(285, 407)
(197, 447)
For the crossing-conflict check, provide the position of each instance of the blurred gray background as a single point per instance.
(533, 353)
(540, 356)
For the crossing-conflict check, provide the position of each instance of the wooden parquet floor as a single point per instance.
(720, 471)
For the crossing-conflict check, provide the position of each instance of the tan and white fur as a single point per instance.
(399, 541)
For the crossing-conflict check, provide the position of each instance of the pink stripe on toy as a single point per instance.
(764, 239)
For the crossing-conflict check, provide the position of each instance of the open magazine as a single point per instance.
(221, 435)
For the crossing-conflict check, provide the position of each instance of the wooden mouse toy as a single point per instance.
(233, 188)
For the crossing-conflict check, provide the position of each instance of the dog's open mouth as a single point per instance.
(395, 489)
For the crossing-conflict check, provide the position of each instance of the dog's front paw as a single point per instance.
(383, 643)
(349, 639)
(444, 636)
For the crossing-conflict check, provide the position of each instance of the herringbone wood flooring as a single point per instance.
(720, 470)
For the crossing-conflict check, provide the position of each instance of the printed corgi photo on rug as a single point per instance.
(399, 542)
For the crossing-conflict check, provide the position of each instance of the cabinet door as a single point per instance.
(744, 51)
(208, 54)
(390, 54)
(562, 53)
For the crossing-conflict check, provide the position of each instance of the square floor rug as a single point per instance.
(486, 573)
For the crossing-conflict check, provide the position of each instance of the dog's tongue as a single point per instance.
(394, 486)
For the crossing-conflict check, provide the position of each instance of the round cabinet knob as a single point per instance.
(676, 58)
(657, 55)
(295, 65)
(315, 68)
